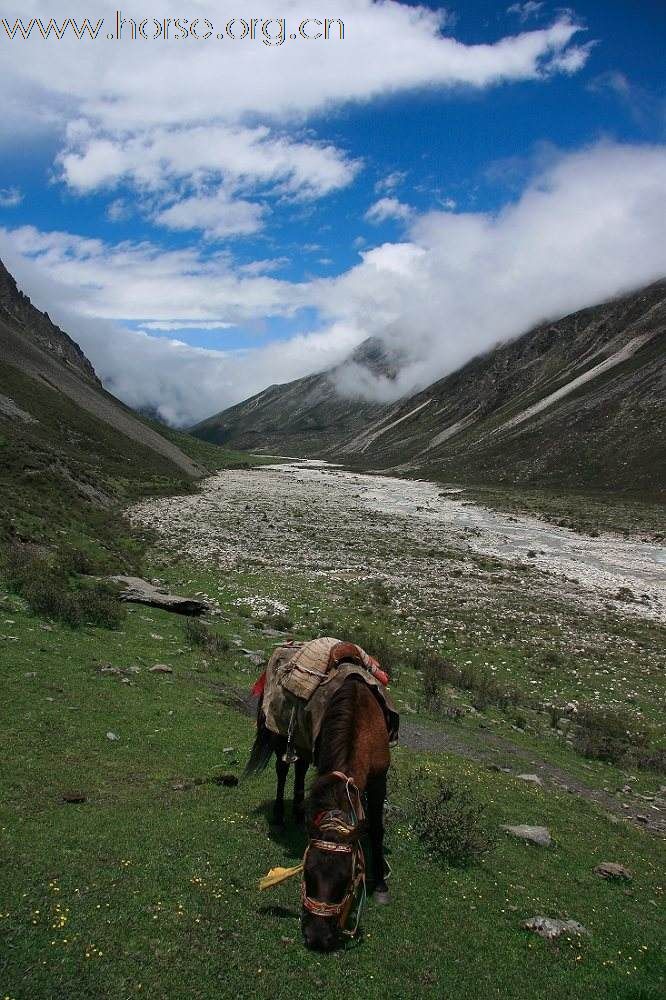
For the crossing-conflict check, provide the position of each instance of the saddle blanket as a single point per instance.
(301, 678)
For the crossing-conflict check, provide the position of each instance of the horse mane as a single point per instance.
(336, 742)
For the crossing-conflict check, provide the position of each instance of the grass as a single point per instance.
(632, 514)
(51, 586)
(147, 888)
(147, 891)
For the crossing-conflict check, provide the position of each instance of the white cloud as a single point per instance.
(588, 226)
(156, 158)
(388, 208)
(144, 283)
(125, 86)
(10, 197)
(171, 326)
(171, 117)
(390, 182)
(218, 215)
(525, 11)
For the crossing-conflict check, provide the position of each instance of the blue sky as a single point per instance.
(207, 225)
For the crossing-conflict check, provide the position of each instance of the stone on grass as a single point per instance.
(161, 668)
(611, 870)
(539, 835)
(228, 780)
(533, 778)
(550, 928)
(74, 797)
(113, 737)
(140, 591)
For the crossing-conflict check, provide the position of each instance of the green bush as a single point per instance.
(48, 584)
(200, 635)
(609, 734)
(485, 690)
(448, 820)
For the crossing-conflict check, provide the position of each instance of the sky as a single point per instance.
(207, 216)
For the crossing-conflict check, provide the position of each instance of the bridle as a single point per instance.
(333, 820)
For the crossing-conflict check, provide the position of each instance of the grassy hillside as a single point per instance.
(66, 474)
(148, 887)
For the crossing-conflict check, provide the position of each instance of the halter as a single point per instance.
(333, 820)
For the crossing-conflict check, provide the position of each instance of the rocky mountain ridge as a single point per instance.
(579, 402)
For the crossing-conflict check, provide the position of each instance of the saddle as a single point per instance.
(300, 680)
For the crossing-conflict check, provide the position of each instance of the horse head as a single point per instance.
(333, 866)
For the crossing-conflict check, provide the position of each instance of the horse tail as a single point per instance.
(262, 748)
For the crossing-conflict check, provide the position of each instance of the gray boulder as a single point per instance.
(539, 835)
(138, 591)
(550, 928)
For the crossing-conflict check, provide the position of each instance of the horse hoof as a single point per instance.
(382, 897)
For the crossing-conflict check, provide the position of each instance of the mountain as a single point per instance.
(31, 343)
(580, 402)
(69, 450)
(306, 417)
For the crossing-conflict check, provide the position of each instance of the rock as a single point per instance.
(539, 835)
(228, 780)
(611, 870)
(642, 819)
(533, 778)
(161, 668)
(550, 928)
(31, 673)
(125, 680)
(74, 797)
(110, 671)
(138, 591)
(112, 736)
(496, 767)
(181, 786)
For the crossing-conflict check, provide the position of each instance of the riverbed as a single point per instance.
(316, 518)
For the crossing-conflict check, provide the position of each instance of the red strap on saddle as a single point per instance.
(350, 651)
(259, 685)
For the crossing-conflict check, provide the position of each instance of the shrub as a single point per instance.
(485, 689)
(199, 634)
(448, 820)
(279, 621)
(44, 581)
(609, 734)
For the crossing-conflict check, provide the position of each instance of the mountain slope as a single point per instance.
(305, 417)
(69, 451)
(30, 342)
(579, 402)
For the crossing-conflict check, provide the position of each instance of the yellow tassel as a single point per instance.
(277, 875)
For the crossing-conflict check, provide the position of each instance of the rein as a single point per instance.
(331, 820)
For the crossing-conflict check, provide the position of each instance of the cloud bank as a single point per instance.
(588, 226)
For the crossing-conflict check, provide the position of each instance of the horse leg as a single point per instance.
(282, 770)
(300, 770)
(376, 792)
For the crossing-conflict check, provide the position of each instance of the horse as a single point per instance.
(352, 757)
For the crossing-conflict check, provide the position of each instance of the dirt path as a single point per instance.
(501, 755)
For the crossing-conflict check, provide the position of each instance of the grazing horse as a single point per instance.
(352, 758)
